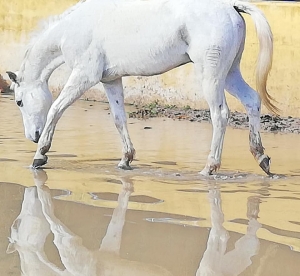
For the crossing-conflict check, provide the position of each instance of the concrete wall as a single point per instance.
(19, 17)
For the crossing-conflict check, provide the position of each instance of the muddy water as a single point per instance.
(162, 218)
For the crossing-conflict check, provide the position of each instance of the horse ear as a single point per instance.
(12, 76)
(11, 248)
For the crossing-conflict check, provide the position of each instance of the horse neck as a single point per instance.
(41, 60)
(37, 263)
(29, 260)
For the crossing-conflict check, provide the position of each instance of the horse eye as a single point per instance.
(19, 103)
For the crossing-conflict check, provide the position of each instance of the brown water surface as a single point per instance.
(83, 216)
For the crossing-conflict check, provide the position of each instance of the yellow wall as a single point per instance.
(284, 81)
(18, 17)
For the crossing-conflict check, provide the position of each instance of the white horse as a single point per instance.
(102, 41)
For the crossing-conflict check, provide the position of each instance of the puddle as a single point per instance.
(7, 160)
(83, 216)
(137, 198)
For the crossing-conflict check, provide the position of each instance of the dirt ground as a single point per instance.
(269, 123)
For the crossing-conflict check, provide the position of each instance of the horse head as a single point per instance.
(34, 100)
(30, 228)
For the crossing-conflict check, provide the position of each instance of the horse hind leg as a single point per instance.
(115, 95)
(213, 91)
(236, 86)
(210, 66)
(219, 112)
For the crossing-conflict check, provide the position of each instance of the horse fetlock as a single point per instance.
(256, 149)
(127, 159)
(45, 149)
(256, 146)
(214, 168)
(129, 155)
(211, 166)
(124, 165)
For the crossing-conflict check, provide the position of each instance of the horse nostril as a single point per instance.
(37, 137)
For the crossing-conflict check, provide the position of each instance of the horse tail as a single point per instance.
(265, 56)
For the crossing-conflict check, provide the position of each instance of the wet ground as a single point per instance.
(83, 216)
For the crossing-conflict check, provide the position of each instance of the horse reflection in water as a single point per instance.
(36, 220)
(216, 261)
(32, 226)
(28, 235)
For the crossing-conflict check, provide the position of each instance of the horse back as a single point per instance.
(146, 37)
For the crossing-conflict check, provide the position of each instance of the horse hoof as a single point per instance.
(205, 172)
(265, 165)
(124, 167)
(37, 163)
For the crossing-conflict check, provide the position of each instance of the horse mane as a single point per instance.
(44, 26)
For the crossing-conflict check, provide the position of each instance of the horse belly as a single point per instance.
(146, 67)
(146, 58)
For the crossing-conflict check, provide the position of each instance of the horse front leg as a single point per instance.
(211, 63)
(76, 258)
(113, 237)
(115, 95)
(76, 85)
